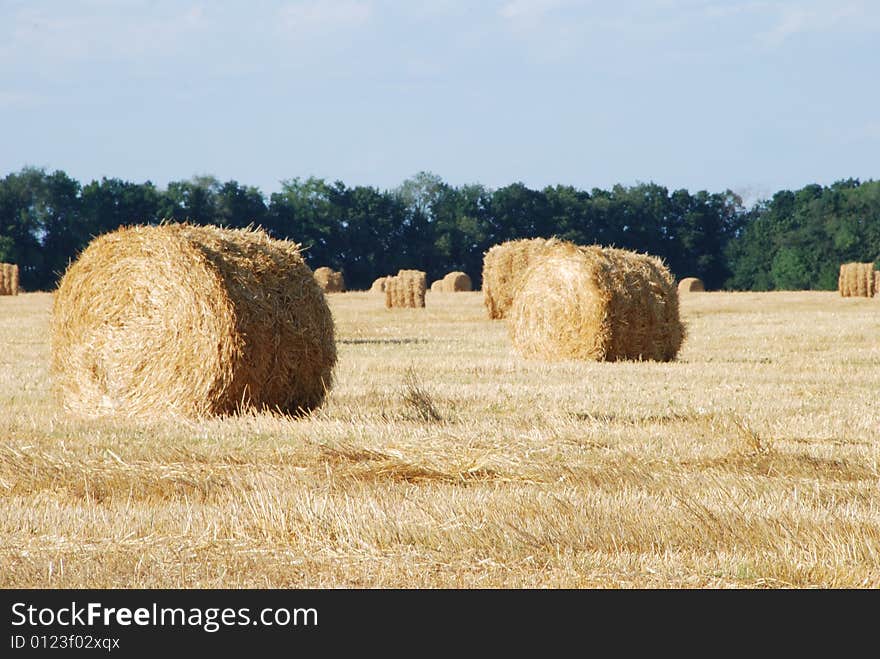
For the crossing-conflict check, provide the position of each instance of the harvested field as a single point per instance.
(441, 459)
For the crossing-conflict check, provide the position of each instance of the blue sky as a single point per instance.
(701, 94)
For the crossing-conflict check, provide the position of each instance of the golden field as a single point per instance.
(443, 460)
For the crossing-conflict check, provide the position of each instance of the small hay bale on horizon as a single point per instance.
(857, 280)
(406, 290)
(456, 282)
(437, 286)
(330, 280)
(191, 321)
(691, 285)
(503, 268)
(379, 285)
(597, 304)
(8, 279)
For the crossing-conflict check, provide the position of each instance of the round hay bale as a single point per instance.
(503, 269)
(379, 285)
(330, 280)
(192, 321)
(593, 303)
(437, 286)
(456, 282)
(691, 285)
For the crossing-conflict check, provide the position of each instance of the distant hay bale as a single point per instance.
(193, 321)
(437, 286)
(876, 282)
(594, 303)
(456, 282)
(8, 279)
(379, 285)
(330, 280)
(857, 280)
(691, 285)
(503, 268)
(406, 290)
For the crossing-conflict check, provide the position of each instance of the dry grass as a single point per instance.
(440, 460)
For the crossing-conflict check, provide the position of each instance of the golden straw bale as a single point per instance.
(594, 303)
(437, 286)
(406, 290)
(503, 268)
(691, 285)
(379, 285)
(8, 279)
(330, 280)
(857, 280)
(187, 320)
(456, 281)
(876, 282)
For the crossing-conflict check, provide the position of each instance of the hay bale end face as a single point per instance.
(330, 280)
(691, 285)
(857, 280)
(456, 282)
(192, 321)
(406, 290)
(503, 269)
(8, 279)
(593, 303)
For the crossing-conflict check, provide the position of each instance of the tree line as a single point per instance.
(795, 240)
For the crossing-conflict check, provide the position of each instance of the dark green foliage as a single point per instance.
(794, 240)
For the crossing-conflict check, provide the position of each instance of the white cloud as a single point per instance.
(796, 18)
(528, 10)
(102, 33)
(310, 16)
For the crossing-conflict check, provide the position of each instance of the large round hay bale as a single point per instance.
(406, 289)
(329, 280)
(503, 269)
(379, 285)
(594, 303)
(437, 286)
(456, 282)
(191, 321)
(691, 285)
(857, 280)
